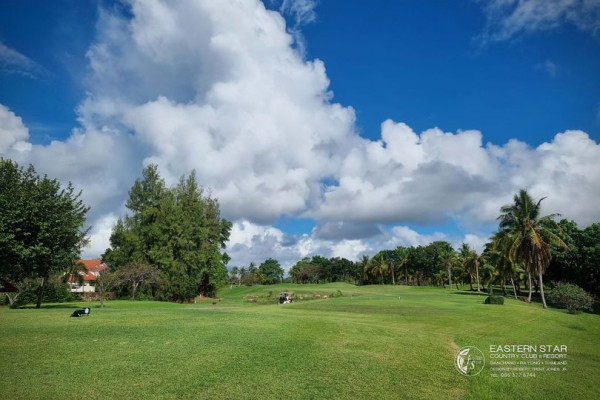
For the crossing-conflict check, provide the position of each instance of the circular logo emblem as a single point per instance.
(469, 361)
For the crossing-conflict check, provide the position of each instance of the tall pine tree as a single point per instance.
(179, 230)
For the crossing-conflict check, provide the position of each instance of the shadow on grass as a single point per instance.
(49, 307)
(471, 293)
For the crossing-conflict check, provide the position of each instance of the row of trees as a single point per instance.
(320, 270)
(526, 247)
(435, 264)
(267, 273)
(171, 243)
(176, 232)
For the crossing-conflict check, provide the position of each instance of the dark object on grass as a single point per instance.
(494, 300)
(285, 298)
(81, 312)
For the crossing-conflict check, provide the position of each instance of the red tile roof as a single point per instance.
(87, 277)
(93, 265)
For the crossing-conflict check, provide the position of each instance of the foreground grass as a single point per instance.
(374, 342)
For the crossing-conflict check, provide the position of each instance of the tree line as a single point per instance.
(169, 246)
(527, 250)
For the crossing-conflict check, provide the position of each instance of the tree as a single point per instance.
(106, 280)
(243, 276)
(341, 269)
(440, 278)
(402, 261)
(392, 262)
(233, 276)
(271, 271)
(138, 274)
(254, 276)
(378, 267)
(471, 262)
(529, 235)
(322, 271)
(566, 264)
(418, 259)
(497, 253)
(365, 264)
(305, 271)
(571, 297)
(445, 257)
(41, 225)
(581, 263)
(589, 258)
(178, 230)
(461, 276)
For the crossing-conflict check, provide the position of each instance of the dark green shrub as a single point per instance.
(571, 297)
(56, 292)
(494, 300)
(142, 296)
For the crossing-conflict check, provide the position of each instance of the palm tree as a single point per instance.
(460, 274)
(529, 235)
(440, 278)
(471, 262)
(365, 264)
(402, 261)
(498, 254)
(489, 274)
(243, 277)
(463, 255)
(379, 266)
(449, 259)
(233, 276)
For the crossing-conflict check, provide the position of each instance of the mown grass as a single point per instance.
(373, 342)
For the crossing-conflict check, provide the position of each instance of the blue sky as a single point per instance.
(421, 62)
(417, 61)
(117, 79)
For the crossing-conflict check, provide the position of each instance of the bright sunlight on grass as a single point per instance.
(372, 342)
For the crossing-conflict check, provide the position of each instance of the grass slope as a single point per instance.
(374, 342)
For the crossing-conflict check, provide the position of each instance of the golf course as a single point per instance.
(339, 342)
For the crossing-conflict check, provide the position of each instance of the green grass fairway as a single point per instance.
(374, 342)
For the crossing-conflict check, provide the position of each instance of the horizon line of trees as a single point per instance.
(526, 248)
(171, 246)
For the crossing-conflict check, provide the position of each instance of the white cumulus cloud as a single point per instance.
(435, 176)
(218, 86)
(12, 130)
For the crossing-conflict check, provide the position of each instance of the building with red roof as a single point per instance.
(89, 275)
